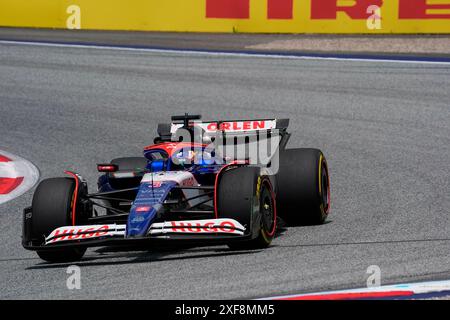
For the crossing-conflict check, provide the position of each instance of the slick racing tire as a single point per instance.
(52, 208)
(240, 191)
(303, 187)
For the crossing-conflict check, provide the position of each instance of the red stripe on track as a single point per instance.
(7, 185)
(352, 295)
(4, 159)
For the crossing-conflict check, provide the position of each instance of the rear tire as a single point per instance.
(303, 194)
(238, 190)
(52, 208)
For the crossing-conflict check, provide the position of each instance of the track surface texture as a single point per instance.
(384, 127)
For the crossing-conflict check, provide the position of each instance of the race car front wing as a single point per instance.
(110, 234)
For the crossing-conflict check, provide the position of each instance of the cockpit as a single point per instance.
(182, 159)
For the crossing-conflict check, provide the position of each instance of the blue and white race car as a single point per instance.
(187, 188)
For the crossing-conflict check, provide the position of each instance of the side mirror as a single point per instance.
(107, 167)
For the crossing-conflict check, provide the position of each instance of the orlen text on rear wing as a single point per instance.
(234, 126)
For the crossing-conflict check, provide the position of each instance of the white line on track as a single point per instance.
(216, 53)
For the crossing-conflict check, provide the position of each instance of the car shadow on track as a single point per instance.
(106, 259)
(283, 227)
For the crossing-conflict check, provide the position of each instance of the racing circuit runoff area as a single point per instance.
(68, 104)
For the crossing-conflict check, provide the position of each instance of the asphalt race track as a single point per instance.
(384, 127)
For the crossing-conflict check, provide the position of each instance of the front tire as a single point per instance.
(52, 208)
(242, 194)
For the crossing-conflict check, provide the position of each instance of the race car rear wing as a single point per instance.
(225, 127)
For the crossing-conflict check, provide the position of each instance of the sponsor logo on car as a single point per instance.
(225, 226)
(228, 226)
(143, 209)
(240, 126)
(138, 219)
(231, 126)
(69, 233)
(84, 232)
(155, 184)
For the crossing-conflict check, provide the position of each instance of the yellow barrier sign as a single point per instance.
(265, 16)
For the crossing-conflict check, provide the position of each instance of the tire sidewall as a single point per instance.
(52, 205)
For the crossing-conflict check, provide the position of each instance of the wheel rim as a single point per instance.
(325, 186)
(267, 207)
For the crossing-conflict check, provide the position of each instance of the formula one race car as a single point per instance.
(188, 187)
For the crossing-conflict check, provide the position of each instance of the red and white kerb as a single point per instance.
(17, 175)
(8, 179)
